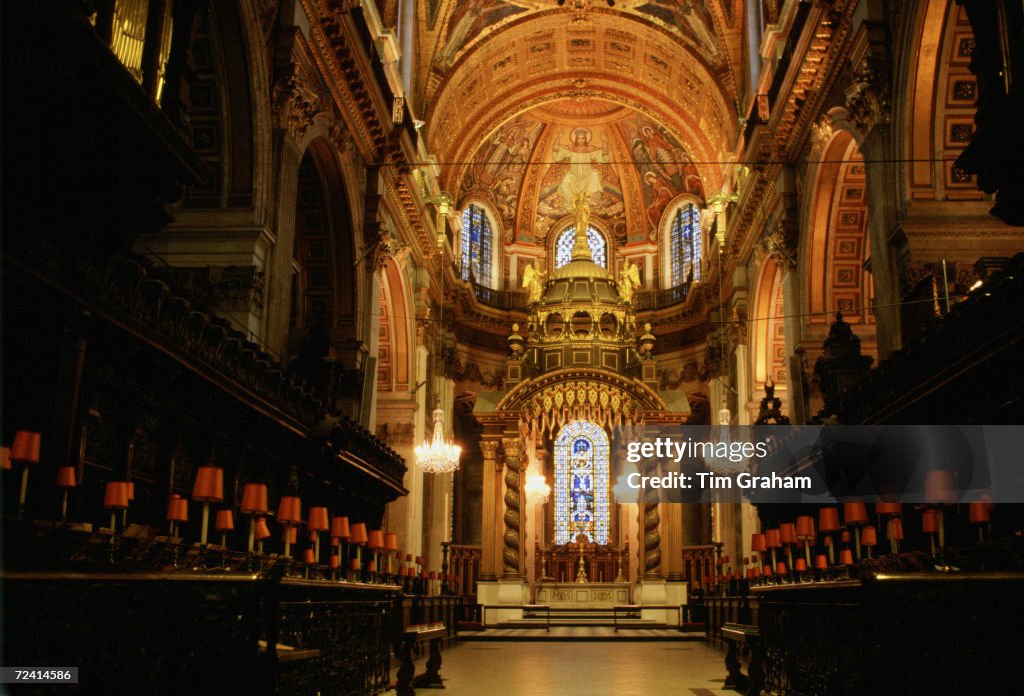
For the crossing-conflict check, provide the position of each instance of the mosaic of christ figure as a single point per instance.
(582, 176)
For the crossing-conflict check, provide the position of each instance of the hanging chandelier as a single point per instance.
(537, 488)
(438, 456)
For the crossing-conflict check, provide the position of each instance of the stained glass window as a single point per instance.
(581, 483)
(685, 245)
(566, 241)
(476, 245)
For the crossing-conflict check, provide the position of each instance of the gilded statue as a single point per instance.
(533, 280)
(582, 211)
(629, 280)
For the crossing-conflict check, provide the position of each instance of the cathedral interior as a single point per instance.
(328, 324)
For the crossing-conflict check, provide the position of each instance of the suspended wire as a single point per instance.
(744, 162)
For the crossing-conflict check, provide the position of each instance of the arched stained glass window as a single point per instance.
(581, 483)
(476, 245)
(566, 241)
(685, 244)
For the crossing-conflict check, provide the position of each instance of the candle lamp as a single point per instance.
(787, 535)
(391, 547)
(208, 488)
(5, 458)
(890, 510)
(360, 539)
(895, 533)
(846, 557)
(289, 514)
(318, 522)
(375, 542)
(115, 497)
(224, 523)
(828, 522)
(979, 514)
(25, 449)
(869, 538)
(940, 490)
(177, 511)
(805, 532)
(855, 513)
(66, 480)
(930, 526)
(341, 532)
(254, 506)
(773, 541)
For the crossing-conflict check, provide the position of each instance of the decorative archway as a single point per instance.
(768, 351)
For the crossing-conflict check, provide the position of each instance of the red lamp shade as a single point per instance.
(771, 537)
(115, 496)
(767, 571)
(340, 528)
(757, 542)
(846, 557)
(845, 537)
(26, 447)
(261, 530)
(896, 529)
(869, 536)
(828, 520)
(432, 575)
(66, 477)
(403, 571)
(293, 534)
(391, 541)
(335, 561)
(376, 540)
(209, 485)
(225, 521)
(787, 533)
(419, 560)
(855, 512)
(308, 558)
(5, 458)
(805, 527)
(800, 565)
(780, 568)
(371, 567)
(755, 572)
(883, 508)
(930, 521)
(359, 534)
(318, 520)
(821, 561)
(177, 509)
(980, 513)
(131, 490)
(939, 488)
(254, 499)
(289, 510)
(408, 558)
(354, 564)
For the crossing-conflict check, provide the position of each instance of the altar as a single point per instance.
(582, 595)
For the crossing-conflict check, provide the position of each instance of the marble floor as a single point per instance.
(620, 668)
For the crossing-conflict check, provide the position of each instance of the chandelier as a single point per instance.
(537, 488)
(438, 456)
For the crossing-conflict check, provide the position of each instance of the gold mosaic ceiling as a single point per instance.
(514, 79)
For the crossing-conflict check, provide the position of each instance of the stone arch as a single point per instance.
(767, 333)
(836, 248)
(394, 352)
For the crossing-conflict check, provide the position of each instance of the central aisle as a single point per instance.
(617, 668)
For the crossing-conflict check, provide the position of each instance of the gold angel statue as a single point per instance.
(533, 280)
(629, 280)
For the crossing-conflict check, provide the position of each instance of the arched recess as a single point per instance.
(324, 302)
(940, 103)
(221, 110)
(768, 349)
(597, 236)
(837, 247)
(394, 352)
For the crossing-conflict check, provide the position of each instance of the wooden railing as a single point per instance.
(601, 563)
(463, 570)
(699, 566)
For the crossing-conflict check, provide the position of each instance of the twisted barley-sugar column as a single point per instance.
(513, 455)
(652, 537)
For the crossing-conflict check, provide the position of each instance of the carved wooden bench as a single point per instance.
(740, 636)
(406, 683)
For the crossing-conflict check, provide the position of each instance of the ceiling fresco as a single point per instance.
(528, 170)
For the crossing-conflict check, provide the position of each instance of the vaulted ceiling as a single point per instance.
(650, 85)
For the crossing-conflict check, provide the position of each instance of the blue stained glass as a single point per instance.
(476, 245)
(581, 483)
(685, 245)
(595, 240)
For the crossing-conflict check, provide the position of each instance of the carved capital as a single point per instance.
(868, 97)
(385, 247)
(294, 102)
